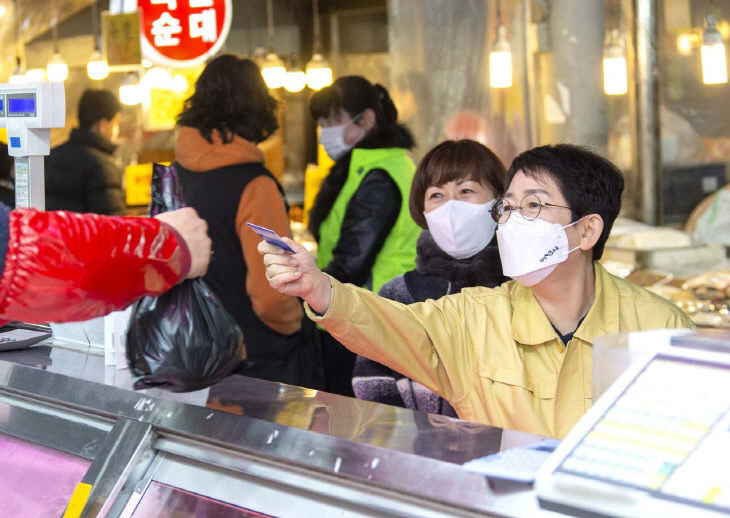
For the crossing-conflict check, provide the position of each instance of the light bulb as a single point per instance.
(684, 44)
(615, 81)
(35, 75)
(714, 64)
(57, 69)
(131, 92)
(17, 78)
(157, 77)
(273, 71)
(295, 80)
(179, 83)
(97, 68)
(615, 78)
(500, 61)
(319, 73)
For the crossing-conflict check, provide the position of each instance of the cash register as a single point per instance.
(657, 443)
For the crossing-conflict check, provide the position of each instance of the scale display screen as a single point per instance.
(668, 434)
(21, 105)
(2, 106)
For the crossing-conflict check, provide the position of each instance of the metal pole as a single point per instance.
(647, 110)
(576, 44)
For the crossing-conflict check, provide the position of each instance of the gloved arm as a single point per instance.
(371, 213)
(64, 266)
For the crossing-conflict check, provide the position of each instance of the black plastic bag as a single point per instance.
(184, 339)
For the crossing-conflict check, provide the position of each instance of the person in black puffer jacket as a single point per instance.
(81, 174)
(360, 220)
(454, 188)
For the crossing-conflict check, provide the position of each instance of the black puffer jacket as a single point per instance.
(371, 212)
(81, 175)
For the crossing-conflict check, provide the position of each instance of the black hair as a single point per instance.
(95, 105)
(589, 183)
(231, 97)
(452, 160)
(355, 94)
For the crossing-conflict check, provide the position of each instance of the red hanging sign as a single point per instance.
(183, 33)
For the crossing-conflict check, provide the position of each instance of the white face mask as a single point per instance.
(332, 139)
(460, 228)
(531, 249)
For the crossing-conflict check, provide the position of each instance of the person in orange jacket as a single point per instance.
(65, 266)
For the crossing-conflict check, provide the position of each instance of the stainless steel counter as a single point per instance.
(387, 450)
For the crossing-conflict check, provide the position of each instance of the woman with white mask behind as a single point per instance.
(455, 187)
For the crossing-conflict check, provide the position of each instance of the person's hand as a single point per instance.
(296, 274)
(194, 231)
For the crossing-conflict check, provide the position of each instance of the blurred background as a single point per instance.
(624, 77)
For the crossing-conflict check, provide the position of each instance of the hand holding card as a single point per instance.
(270, 236)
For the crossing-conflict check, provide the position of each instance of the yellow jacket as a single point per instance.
(492, 353)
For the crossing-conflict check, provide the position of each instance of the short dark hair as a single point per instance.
(231, 96)
(452, 160)
(355, 94)
(95, 105)
(589, 183)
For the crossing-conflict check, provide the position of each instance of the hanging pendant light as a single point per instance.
(97, 68)
(295, 79)
(714, 64)
(131, 92)
(615, 78)
(319, 74)
(35, 75)
(56, 69)
(500, 58)
(179, 83)
(500, 61)
(156, 77)
(273, 69)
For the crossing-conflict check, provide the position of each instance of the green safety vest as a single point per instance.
(398, 254)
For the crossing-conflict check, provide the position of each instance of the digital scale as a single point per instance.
(656, 443)
(29, 111)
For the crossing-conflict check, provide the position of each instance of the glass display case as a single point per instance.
(248, 448)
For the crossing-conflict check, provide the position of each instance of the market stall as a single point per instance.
(246, 448)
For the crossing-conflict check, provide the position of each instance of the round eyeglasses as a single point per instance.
(529, 207)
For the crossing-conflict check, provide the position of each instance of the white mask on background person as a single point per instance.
(332, 139)
(531, 249)
(460, 228)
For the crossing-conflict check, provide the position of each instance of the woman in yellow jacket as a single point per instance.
(518, 356)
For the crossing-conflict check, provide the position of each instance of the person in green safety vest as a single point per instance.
(360, 217)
